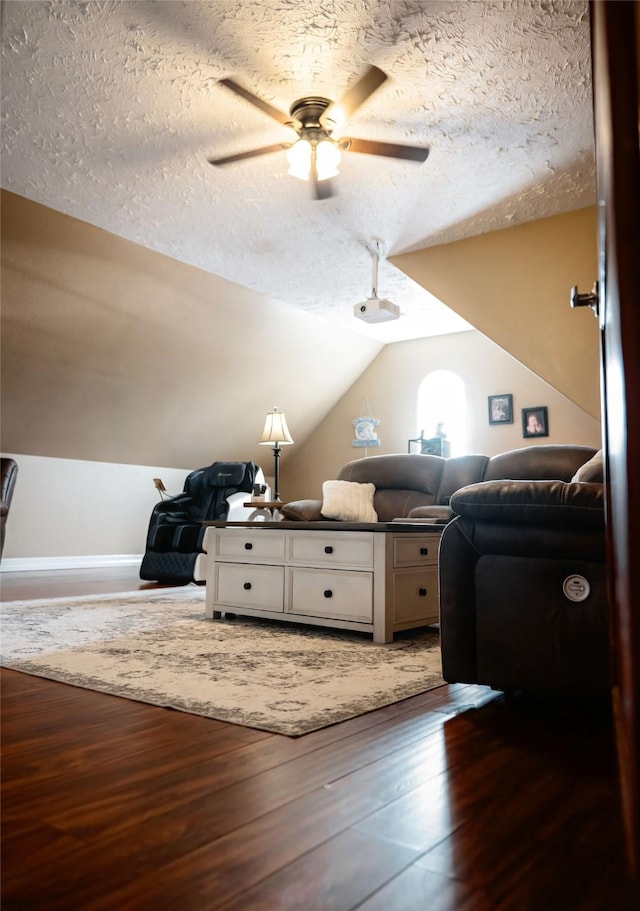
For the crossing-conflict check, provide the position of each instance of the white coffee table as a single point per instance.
(374, 577)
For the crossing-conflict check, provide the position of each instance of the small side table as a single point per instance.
(264, 510)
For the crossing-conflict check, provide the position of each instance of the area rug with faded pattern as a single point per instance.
(158, 647)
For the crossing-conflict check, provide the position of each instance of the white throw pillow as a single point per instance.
(348, 501)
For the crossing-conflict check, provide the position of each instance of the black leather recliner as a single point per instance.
(523, 592)
(175, 538)
(8, 476)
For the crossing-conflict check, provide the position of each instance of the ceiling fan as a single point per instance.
(316, 153)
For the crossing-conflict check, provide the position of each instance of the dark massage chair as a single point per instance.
(174, 550)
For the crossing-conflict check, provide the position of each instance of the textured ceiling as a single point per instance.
(111, 109)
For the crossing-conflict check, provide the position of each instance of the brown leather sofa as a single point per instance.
(421, 486)
(403, 482)
(523, 601)
(8, 477)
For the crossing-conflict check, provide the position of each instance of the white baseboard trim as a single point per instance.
(40, 564)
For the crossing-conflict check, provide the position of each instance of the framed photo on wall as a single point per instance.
(501, 409)
(535, 422)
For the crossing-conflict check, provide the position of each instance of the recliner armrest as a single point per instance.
(302, 511)
(542, 503)
(179, 505)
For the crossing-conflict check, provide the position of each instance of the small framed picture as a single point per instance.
(535, 422)
(501, 409)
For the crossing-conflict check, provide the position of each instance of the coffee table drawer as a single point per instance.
(339, 595)
(242, 544)
(415, 596)
(416, 551)
(261, 587)
(340, 550)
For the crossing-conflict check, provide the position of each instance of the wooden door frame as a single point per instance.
(614, 31)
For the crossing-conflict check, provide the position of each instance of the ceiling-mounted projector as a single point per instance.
(376, 309)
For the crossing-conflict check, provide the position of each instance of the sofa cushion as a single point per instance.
(592, 472)
(459, 472)
(435, 513)
(397, 471)
(302, 511)
(348, 501)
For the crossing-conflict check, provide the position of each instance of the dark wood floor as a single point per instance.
(449, 801)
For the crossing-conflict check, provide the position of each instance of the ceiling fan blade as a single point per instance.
(264, 106)
(252, 153)
(389, 149)
(340, 111)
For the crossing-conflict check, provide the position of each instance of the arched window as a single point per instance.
(442, 401)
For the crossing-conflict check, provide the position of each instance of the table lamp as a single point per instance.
(276, 434)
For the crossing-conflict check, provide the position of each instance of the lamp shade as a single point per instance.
(275, 430)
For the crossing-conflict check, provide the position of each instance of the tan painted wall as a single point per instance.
(114, 353)
(514, 286)
(118, 356)
(388, 390)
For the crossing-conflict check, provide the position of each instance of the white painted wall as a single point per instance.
(67, 512)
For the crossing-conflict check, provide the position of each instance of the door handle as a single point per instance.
(591, 299)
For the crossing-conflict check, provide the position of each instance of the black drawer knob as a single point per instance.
(328, 593)
(247, 586)
(422, 592)
(328, 549)
(248, 546)
(424, 551)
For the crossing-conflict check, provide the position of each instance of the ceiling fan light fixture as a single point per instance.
(327, 159)
(300, 156)
(315, 154)
(335, 116)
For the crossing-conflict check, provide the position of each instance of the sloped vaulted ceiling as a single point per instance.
(111, 110)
